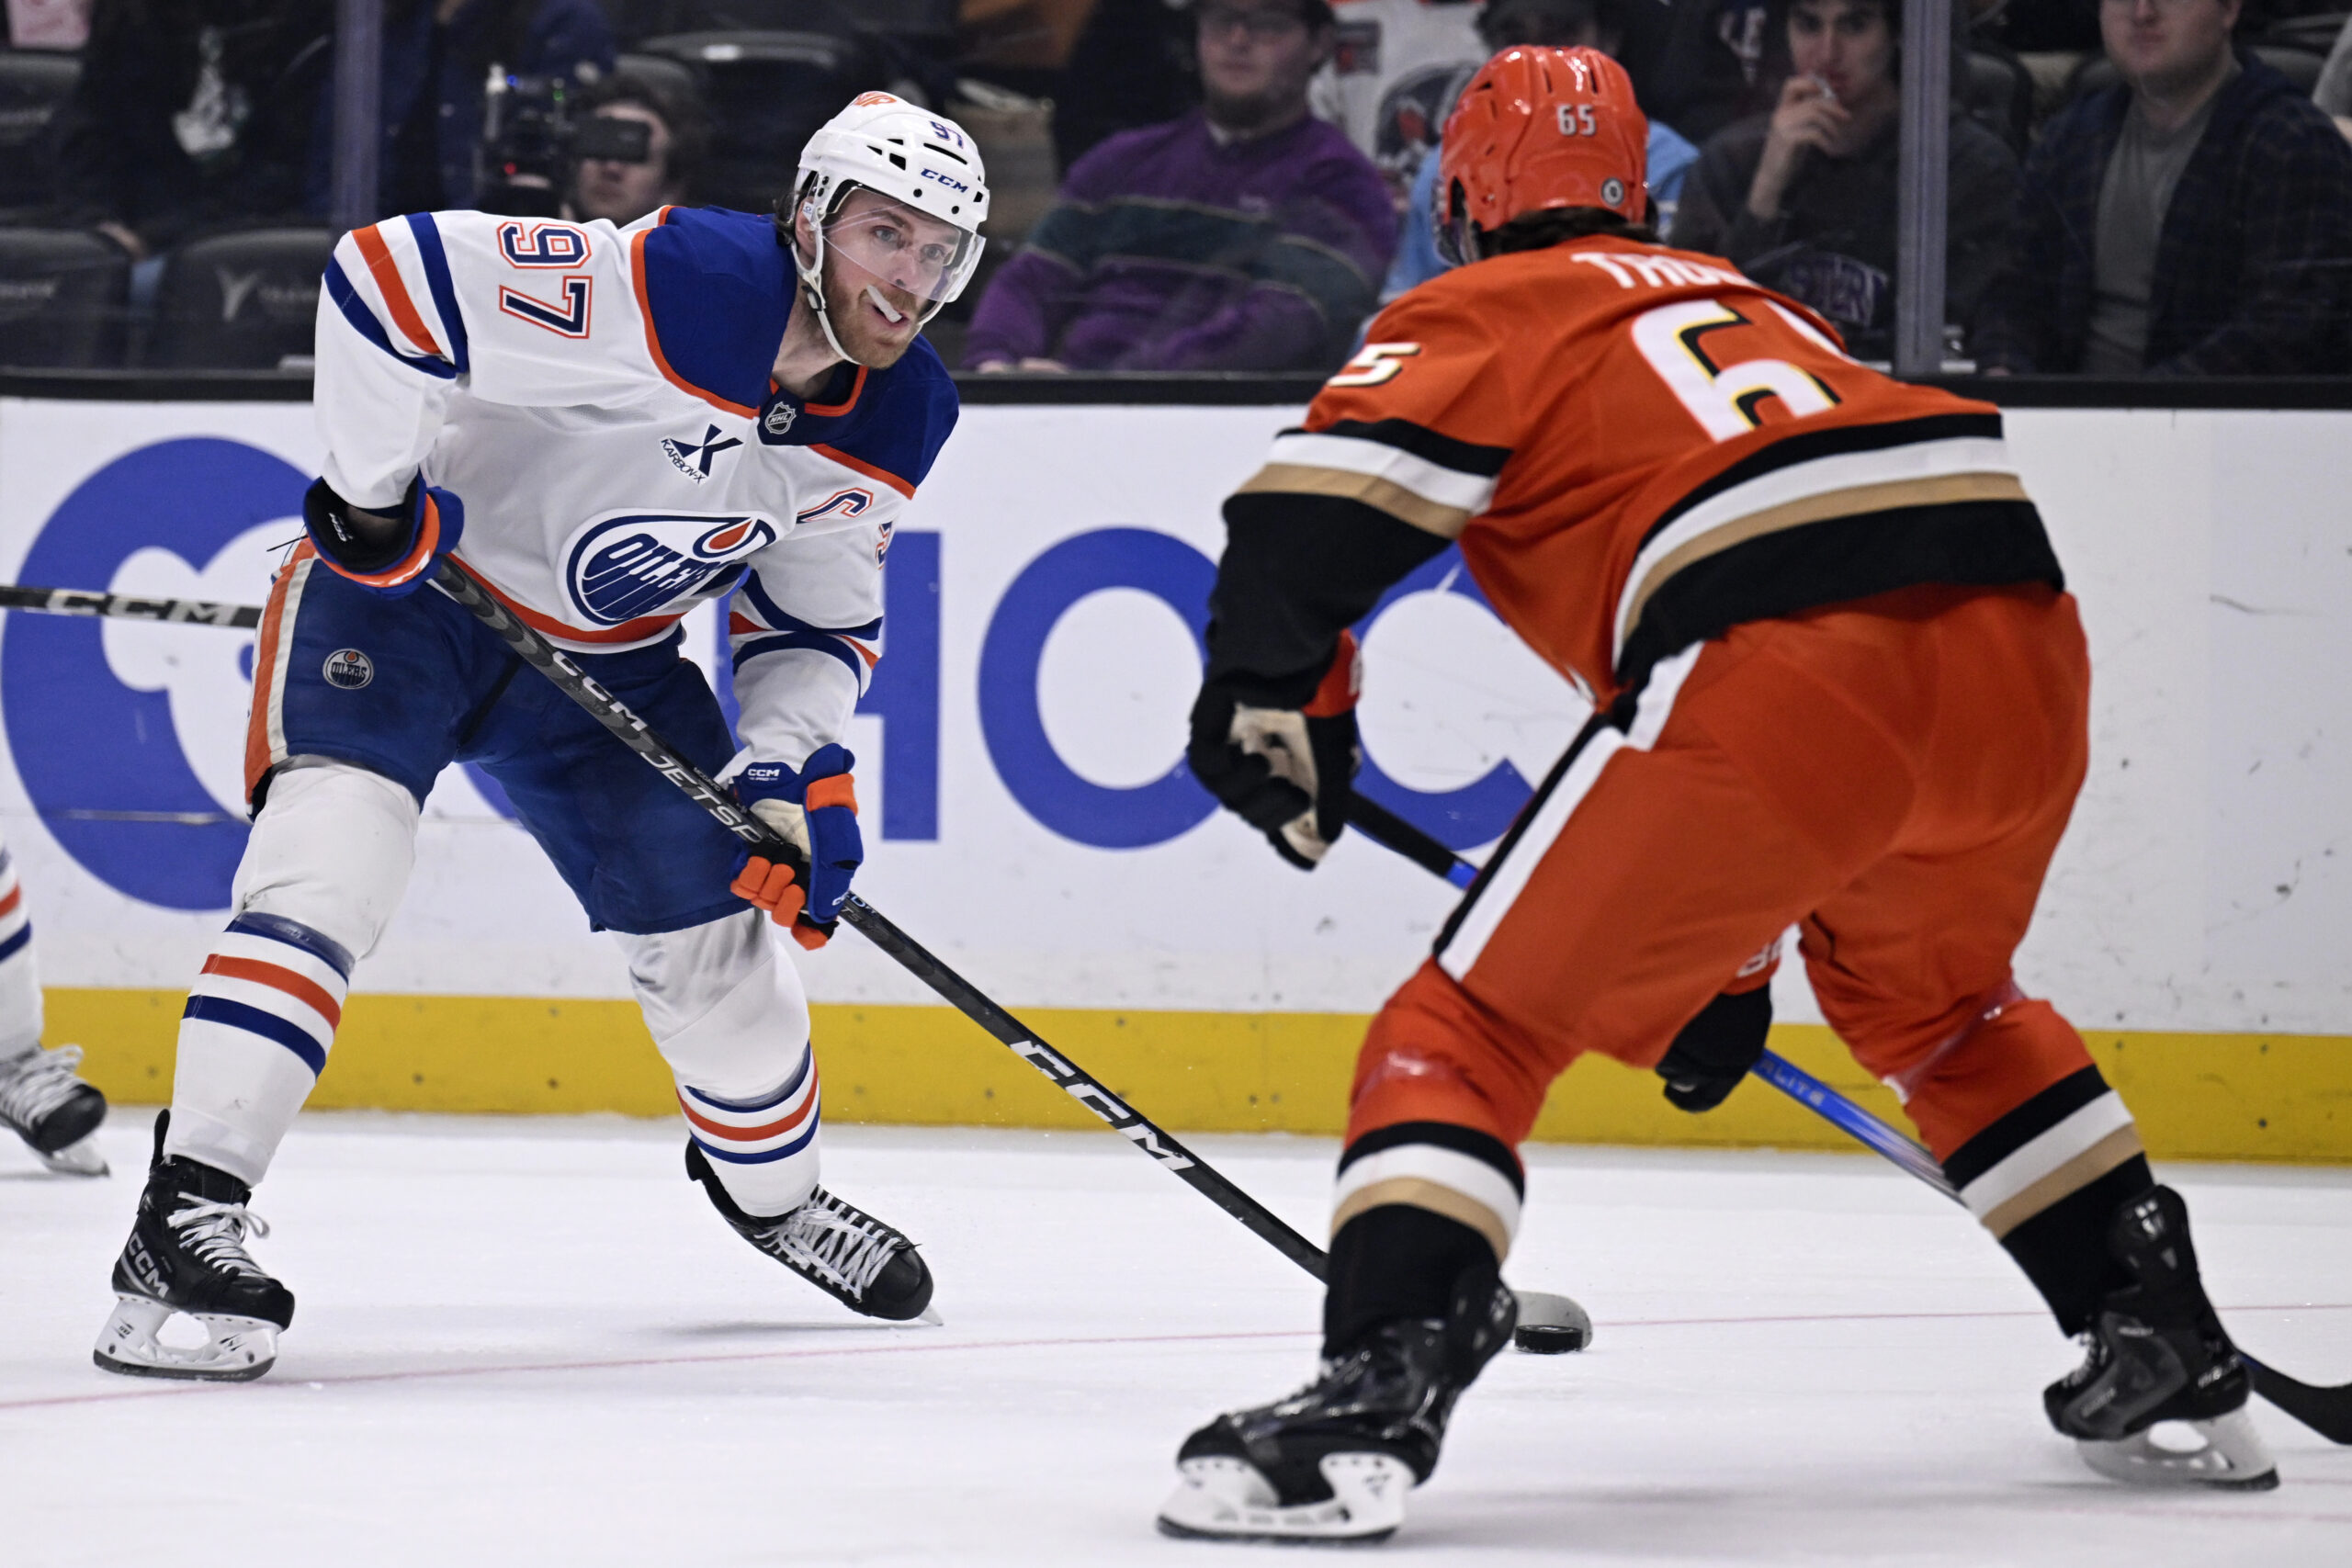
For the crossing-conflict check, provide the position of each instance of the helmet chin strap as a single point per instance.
(813, 288)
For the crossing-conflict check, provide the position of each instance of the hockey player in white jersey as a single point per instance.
(607, 427)
(42, 1101)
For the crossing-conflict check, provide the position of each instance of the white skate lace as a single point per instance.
(847, 1248)
(36, 1083)
(216, 1233)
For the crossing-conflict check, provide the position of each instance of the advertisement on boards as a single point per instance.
(1028, 813)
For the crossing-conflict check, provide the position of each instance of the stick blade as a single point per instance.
(2327, 1411)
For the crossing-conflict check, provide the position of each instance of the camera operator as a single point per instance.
(637, 147)
(436, 56)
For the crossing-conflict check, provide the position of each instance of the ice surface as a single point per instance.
(526, 1342)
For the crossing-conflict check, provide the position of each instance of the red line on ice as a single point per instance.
(165, 1390)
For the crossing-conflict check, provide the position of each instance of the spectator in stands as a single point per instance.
(437, 53)
(1246, 235)
(190, 115)
(2194, 219)
(607, 184)
(1560, 24)
(1804, 198)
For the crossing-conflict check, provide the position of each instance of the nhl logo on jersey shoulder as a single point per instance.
(349, 669)
(622, 566)
(778, 420)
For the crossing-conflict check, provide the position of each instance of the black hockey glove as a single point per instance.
(391, 553)
(1715, 1049)
(1286, 772)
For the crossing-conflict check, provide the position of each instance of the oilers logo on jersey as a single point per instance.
(617, 568)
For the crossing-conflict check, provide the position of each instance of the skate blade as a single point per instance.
(81, 1159)
(1550, 1324)
(2231, 1458)
(236, 1348)
(1222, 1499)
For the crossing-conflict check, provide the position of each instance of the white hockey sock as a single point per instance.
(21, 1008)
(325, 870)
(731, 1021)
(253, 1039)
(763, 1147)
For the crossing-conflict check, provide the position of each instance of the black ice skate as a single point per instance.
(1331, 1463)
(42, 1102)
(848, 1254)
(186, 1254)
(2157, 1353)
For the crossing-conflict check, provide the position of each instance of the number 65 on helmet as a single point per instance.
(1538, 128)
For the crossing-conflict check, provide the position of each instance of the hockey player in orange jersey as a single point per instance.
(1838, 683)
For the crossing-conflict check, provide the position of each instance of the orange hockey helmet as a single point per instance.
(1536, 128)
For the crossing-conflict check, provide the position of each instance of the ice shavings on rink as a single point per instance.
(530, 1342)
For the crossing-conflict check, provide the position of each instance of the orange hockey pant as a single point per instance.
(1892, 775)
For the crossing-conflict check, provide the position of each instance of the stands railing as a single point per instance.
(1220, 389)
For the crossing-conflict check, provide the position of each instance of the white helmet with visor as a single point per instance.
(919, 159)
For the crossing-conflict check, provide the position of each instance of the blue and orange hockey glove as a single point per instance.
(1288, 772)
(391, 553)
(815, 807)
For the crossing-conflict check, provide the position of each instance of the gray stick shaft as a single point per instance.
(128, 606)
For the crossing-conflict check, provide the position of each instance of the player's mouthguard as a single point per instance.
(884, 305)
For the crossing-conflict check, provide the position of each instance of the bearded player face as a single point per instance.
(883, 267)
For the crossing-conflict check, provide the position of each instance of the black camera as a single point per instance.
(526, 129)
(531, 137)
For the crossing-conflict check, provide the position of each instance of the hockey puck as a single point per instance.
(1550, 1324)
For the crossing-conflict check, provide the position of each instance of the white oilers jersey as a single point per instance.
(599, 399)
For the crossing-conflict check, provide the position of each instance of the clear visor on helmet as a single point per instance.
(903, 248)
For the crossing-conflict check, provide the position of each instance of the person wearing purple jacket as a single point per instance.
(1243, 236)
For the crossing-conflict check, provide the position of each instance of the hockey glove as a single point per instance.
(1286, 772)
(816, 808)
(391, 553)
(1717, 1049)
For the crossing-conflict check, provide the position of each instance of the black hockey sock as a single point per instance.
(1399, 1261)
(2063, 1248)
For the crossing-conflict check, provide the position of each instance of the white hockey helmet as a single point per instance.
(923, 160)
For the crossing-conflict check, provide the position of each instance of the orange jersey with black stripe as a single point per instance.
(1636, 448)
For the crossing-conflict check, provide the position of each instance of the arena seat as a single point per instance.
(64, 294)
(243, 302)
(672, 76)
(1998, 93)
(32, 86)
(766, 92)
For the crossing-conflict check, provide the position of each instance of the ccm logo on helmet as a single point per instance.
(952, 183)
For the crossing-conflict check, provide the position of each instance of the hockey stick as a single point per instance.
(2325, 1410)
(1551, 1322)
(1556, 1315)
(128, 607)
(870, 923)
